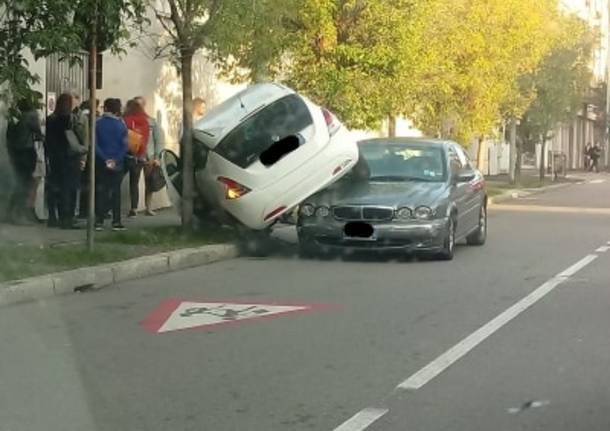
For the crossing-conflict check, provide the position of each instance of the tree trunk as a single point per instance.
(512, 155)
(542, 159)
(481, 154)
(92, 119)
(391, 126)
(518, 161)
(188, 174)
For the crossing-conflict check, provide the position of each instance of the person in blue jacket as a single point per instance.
(110, 153)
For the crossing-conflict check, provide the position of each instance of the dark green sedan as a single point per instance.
(409, 194)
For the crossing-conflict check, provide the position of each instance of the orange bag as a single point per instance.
(134, 142)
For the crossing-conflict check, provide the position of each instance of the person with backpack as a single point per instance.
(65, 149)
(22, 135)
(596, 153)
(110, 153)
(139, 133)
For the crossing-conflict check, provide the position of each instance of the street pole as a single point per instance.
(92, 119)
(512, 153)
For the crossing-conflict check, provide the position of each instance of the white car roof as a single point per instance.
(212, 128)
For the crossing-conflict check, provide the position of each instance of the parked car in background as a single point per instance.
(262, 152)
(417, 195)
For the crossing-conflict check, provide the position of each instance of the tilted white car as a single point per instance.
(261, 153)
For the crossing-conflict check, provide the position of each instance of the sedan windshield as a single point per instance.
(395, 162)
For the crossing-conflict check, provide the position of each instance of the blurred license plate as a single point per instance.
(359, 231)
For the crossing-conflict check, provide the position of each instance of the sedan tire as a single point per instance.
(256, 243)
(448, 249)
(479, 236)
(307, 249)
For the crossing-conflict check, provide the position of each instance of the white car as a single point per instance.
(262, 152)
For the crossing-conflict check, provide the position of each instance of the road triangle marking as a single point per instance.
(176, 315)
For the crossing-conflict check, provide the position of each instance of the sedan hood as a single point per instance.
(394, 194)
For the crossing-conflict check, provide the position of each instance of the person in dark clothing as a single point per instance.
(21, 137)
(596, 153)
(84, 115)
(65, 165)
(110, 153)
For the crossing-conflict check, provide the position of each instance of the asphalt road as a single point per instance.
(509, 336)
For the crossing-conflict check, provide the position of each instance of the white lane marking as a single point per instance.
(597, 181)
(603, 249)
(362, 420)
(444, 361)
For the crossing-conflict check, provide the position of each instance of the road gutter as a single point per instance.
(102, 276)
(522, 193)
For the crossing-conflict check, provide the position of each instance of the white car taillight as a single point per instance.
(233, 190)
(331, 122)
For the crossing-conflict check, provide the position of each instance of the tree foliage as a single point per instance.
(354, 56)
(56, 26)
(559, 85)
(479, 49)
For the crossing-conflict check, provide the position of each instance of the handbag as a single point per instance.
(155, 180)
(75, 146)
(134, 142)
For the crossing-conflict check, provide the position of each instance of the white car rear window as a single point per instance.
(284, 118)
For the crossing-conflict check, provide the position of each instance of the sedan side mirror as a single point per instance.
(464, 177)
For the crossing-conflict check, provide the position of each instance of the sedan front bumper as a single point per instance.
(409, 235)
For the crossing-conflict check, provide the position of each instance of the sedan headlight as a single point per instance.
(322, 212)
(308, 210)
(423, 213)
(404, 213)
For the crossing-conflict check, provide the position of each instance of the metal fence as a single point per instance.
(63, 75)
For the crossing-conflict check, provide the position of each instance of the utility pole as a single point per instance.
(512, 153)
(92, 119)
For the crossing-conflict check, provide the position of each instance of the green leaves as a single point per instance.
(57, 26)
(560, 83)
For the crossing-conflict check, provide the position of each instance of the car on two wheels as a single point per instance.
(259, 154)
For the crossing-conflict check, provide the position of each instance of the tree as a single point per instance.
(355, 56)
(100, 25)
(189, 25)
(34, 25)
(250, 38)
(243, 36)
(558, 86)
(480, 49)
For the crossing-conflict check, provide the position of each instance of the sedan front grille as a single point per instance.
(350, 213)
(377, 214)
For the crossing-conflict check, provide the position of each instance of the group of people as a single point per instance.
(592, 155)
(128, 141)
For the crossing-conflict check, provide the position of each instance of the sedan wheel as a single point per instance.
(449, 244)
(307, 249)
(479, 236)
(255, 243)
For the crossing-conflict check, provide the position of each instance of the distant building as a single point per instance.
(570, 139)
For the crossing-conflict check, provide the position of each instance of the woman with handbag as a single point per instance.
(136, 121)
(65, 150)
(154, 180)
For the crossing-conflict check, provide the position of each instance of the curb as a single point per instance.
(99, 277)
(521, 193)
